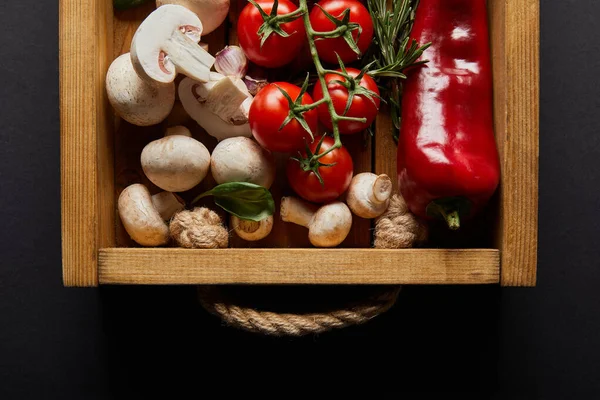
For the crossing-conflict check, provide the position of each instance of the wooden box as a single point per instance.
(100, 156)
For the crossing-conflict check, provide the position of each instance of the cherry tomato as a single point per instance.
(268, 111)
(328, 47)
(361, 106)
(277, 50)
(336, 178)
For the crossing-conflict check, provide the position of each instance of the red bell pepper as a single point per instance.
(448, 164)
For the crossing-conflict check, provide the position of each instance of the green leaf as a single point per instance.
(242, 199)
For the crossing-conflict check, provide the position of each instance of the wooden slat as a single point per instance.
(298, 266)
(385, 147)
(515, 50)
(105, 132)
(83, 49)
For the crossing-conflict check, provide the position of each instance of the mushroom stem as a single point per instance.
(167, 204)
(328, 225)
(382, 190)
(190, 94)
(251, 230)
(178, 131)
(188, 57)
(297, 211)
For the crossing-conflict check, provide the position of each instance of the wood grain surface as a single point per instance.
(87, 205)
(515, 51)
(298, 266)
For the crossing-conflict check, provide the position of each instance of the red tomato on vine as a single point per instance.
(325, 181)
(276, 50)
(270, 109)
(359, 14)
(364, 103)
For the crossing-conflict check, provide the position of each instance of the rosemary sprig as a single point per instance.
(392, 51)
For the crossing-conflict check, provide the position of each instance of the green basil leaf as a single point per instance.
(242, 199)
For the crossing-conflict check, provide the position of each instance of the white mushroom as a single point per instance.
(223, 96)
(193, 98)
(369, 195)
(241, 159)
(167, 204)
(251, 230)
(144, 216)
(135, 100)
(178, 130)
(175, 163)
(327, 225)
(167, 43)
(212, 13)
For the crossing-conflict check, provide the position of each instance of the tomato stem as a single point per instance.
(343, 27)
(311, 35)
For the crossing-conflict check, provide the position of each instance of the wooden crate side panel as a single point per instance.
(298, 266)
(105, 130)
(515, 47)
(82, 41)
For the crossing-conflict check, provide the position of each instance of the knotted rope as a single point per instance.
(398, 228)
(200, 228)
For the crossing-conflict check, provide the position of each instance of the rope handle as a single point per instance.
(396, 228)
(287, 324)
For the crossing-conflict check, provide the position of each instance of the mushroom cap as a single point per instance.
(241, 159)
(140, 218)
(330, 225)
(175, 163)
(209, 121)
(251, 230)
(169, 33)
(212, 13)
(369, 195)
(135, 100)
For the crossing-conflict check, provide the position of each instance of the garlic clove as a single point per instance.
(254, 85)
(231, 61)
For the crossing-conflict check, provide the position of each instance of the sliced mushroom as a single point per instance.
(167, 43)
(191, 94)
(223, 96)
(135, 100)
(144, 216)
(212, 13)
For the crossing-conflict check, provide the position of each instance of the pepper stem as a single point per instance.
(450, 209)
(452, 219)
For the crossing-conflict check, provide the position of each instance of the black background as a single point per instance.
(118, 342)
